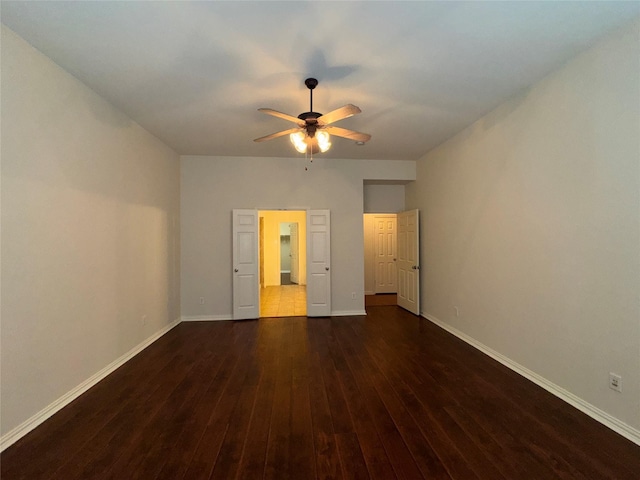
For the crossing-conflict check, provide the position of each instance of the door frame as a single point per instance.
(307, 211)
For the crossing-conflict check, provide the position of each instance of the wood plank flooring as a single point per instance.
(380, 299)
(385, 396)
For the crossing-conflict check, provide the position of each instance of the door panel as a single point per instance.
(246, 295)
(317, 290)
(409, 261)
(318, 263)
(386, 253)
(246, 291)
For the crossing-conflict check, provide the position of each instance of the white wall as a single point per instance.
(531, 226)
(90, 220)
(384, 198)
(213, 186)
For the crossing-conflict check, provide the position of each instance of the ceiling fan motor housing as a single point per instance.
(309, 115)
(310, 119)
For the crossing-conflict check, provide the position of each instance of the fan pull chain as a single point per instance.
(308, 159)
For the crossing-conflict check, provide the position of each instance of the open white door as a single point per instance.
(293, 232)
(409, 261)
(246, 294)
(318, 263)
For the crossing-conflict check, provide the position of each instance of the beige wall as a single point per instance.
(384, 198)
(272, 220)
(531, 227)
(90, 223)
(213, 186)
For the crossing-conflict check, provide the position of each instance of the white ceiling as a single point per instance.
(195, 73)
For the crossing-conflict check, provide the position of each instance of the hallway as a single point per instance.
(283, 301)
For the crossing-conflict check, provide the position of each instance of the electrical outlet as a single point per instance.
(144, 319)
(201, 300)
(457, 311)
(353, 295)
(615, 382)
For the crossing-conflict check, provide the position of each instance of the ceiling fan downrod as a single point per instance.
(310, 116)
(311, 83)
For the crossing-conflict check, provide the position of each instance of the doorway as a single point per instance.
(391, 247)
(245, 257)
(289, 254)
(283, 290)
(380, 248)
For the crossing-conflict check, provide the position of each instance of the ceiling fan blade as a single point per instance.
(284, 116)
(350, 134)
(277, 134)
(339, 114)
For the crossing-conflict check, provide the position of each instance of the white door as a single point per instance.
(408, 261)
(246, 294)
(293, 232)
(385, 236)
(318, 263)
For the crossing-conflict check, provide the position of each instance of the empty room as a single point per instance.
(329, 240)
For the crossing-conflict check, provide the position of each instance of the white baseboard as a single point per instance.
(218, 318)
(25, 427)
(206, 318)
(347, 313)
(594, 412)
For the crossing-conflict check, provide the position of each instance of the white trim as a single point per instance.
(218, 318)
(25, 427)
(594, 412)
(206, 318)
(346, 313)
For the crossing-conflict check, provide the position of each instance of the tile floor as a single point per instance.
(283, 301)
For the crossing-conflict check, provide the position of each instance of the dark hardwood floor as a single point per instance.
(385, 396)
(380, 299)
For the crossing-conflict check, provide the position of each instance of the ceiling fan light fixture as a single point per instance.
(298, 141)
(320, 142)
(324, 141)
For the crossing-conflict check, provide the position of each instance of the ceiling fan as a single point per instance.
(312, 130)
